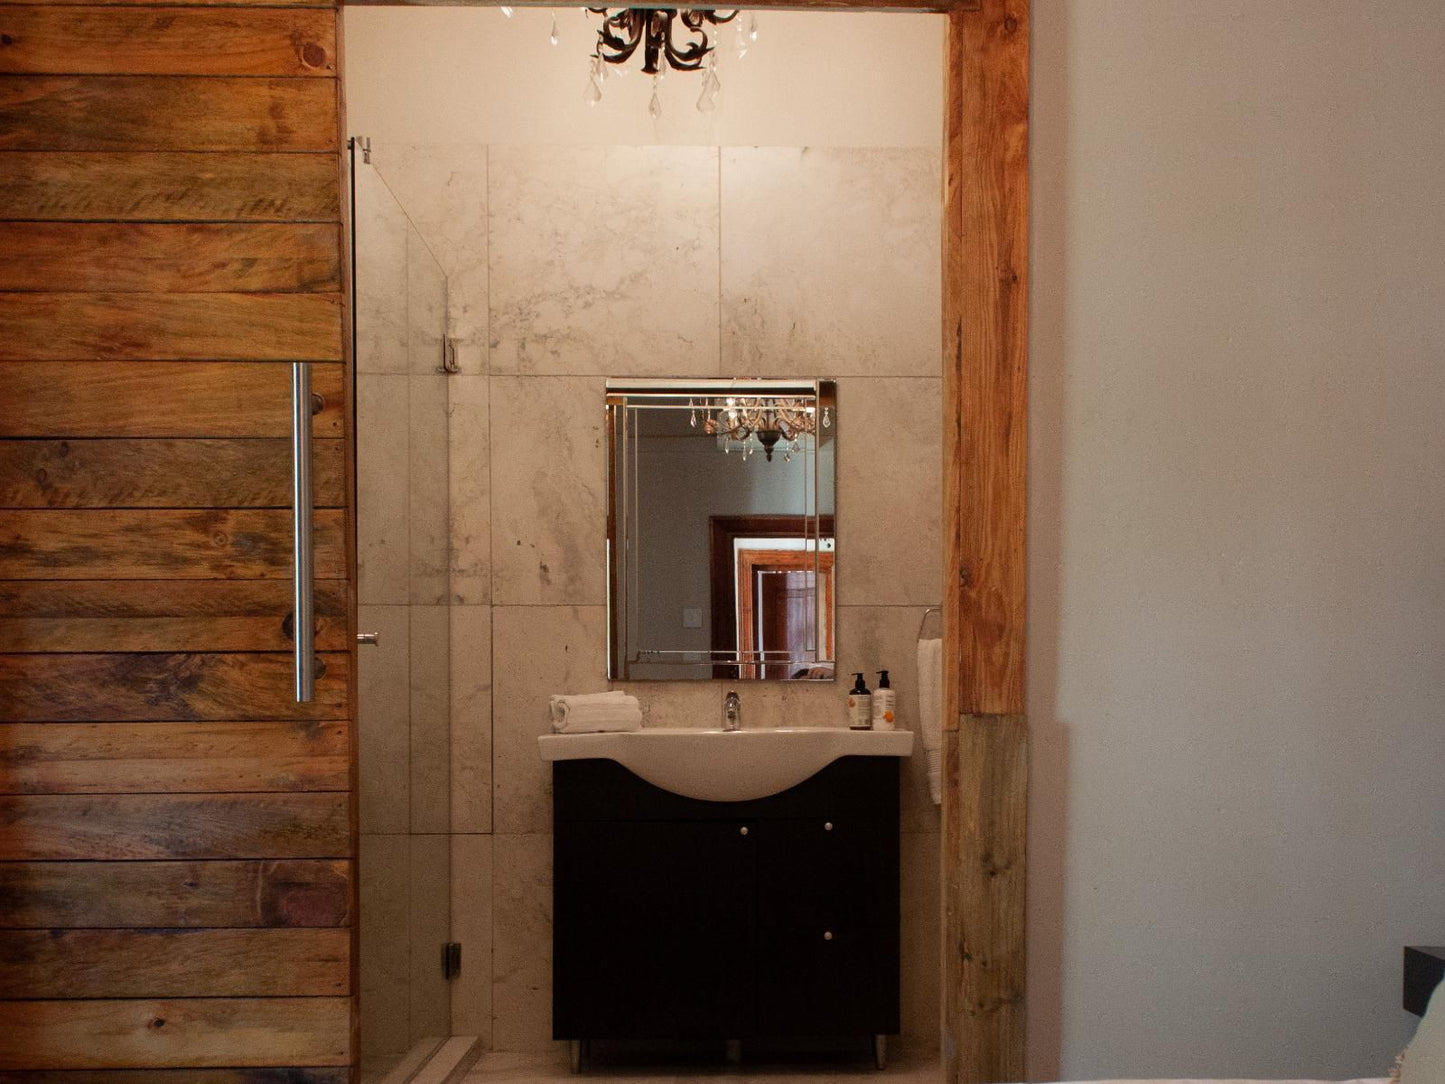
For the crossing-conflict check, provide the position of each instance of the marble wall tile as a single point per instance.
(470, 481)
(384, 710)
(384, 945)
(444, 189)
(522, 942)
(429, 490)
(537, 651)
(383, 441)
(429, 886)
(920, 953)
(471, 718)
(549, 490)
(604, 260)
(429, 753)
(830, 261)
(426, 305)
(890, 491)
(471, 890)
(381, 277)
(869, 638)
(677, 703)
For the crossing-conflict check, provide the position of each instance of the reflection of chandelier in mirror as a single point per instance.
(770, 420)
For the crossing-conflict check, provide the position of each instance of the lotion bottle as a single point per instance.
(860, 705)
(885, 703)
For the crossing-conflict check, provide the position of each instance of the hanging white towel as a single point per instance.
(593, 712)
(930, 712)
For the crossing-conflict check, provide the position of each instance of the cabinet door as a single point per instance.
(654, 931)
(817, 871)
(826, 981)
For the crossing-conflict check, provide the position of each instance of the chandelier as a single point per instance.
(675, 38)
(651, 29)
(770, 420)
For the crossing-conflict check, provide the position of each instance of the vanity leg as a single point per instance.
(880, 1051)
(575, 1053)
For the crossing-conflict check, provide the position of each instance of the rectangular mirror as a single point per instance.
(720, 529)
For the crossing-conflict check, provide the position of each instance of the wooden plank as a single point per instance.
(49, 40)
(989, 469)
(173, 758)
(289, 1075)
(161, 399)
(164, 113)
(170, 327)
(986, 763)
(131, 473)
(162, 615)
(174, 963)
(176, 257)
(175, 895)
(155, 827)
(176, 187)
(165, 688)
(199, 1032)
(162, 543)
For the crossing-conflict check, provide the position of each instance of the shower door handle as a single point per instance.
(303, 571)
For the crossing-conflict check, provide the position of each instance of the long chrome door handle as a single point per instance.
(303, 571)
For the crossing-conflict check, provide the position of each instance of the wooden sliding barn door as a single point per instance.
(176, 841)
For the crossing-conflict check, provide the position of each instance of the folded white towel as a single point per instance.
(930, 712)
(594, 712)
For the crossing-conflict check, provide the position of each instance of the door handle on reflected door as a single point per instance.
(368, 639)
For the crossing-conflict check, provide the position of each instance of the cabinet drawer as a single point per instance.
(825, 980)
(819, 871)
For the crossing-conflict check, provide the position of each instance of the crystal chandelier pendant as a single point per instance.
(707, 100)
(742, 42)
(654, 107)
(753, 26)
(507, 11)
(554, 37)
(593, 94)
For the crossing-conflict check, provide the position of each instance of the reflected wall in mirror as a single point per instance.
(720, 534)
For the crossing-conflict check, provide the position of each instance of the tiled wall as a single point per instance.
(570, 264)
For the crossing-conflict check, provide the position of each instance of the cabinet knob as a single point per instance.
(743, 830)
(827, 826)
(827, 935)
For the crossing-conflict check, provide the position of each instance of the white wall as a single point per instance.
(1237, 571)
(818, 80)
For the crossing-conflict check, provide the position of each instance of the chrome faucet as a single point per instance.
(732, 712)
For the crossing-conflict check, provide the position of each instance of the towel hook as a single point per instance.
(924, 619)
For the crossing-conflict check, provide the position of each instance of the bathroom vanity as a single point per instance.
(682, 918)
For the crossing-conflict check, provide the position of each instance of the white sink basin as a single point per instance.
(727, 765)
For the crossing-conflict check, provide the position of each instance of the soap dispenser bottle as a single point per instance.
(885, 703)
(860, 705)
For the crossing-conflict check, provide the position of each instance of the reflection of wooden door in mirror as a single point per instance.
(784, 613)
(735, 593)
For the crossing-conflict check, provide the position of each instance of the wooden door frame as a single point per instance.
(985, 372)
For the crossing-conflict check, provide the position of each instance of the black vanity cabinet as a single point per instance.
(683, 919)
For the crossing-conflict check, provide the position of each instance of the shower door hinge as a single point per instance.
(451, 959)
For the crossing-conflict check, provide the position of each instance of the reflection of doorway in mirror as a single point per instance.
(784, 600)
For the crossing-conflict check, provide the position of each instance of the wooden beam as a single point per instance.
(984, 841)
(985, 340)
